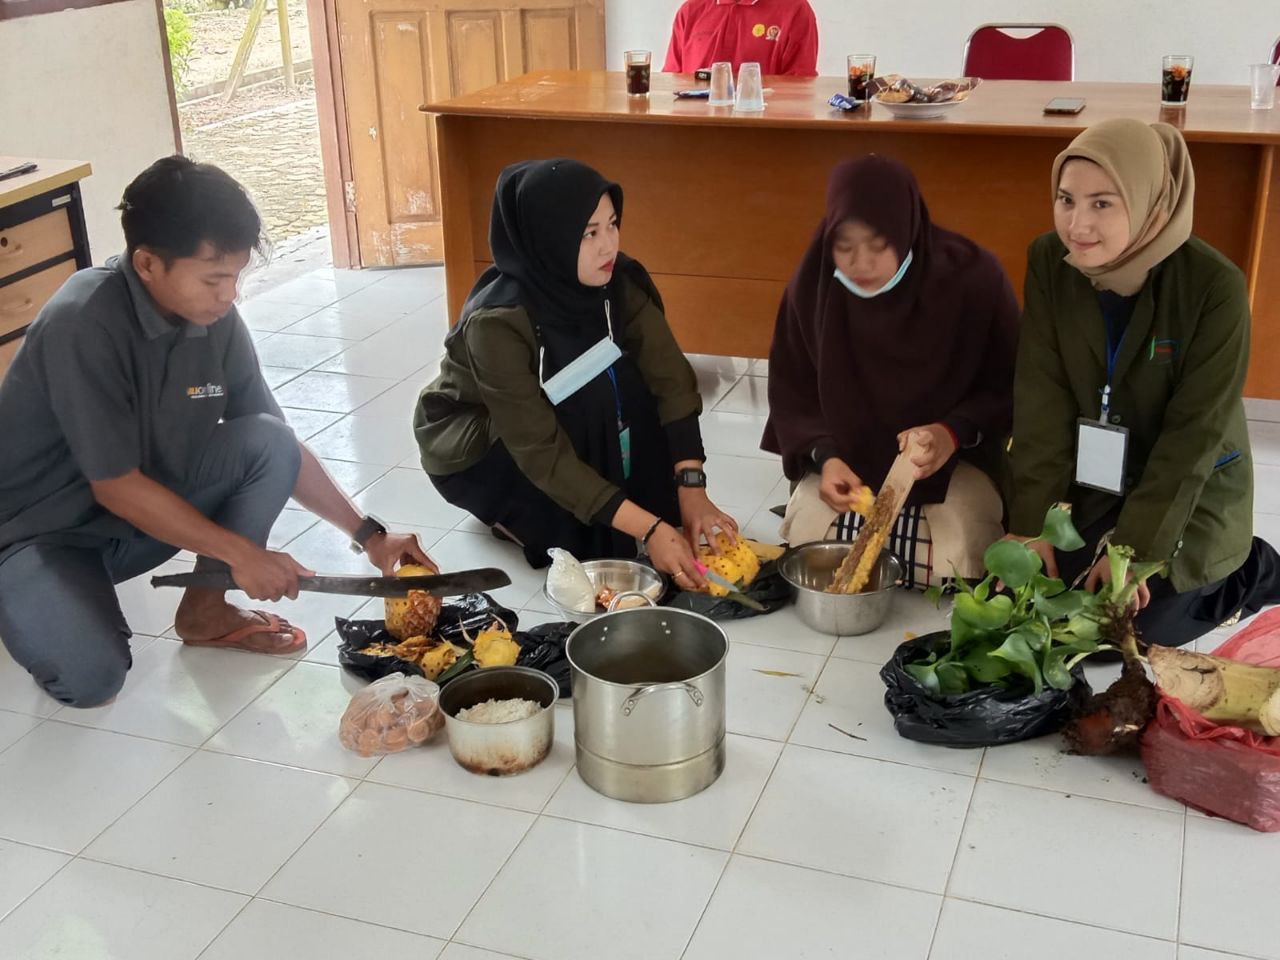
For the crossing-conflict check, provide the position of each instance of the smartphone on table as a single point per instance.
(1064, 105)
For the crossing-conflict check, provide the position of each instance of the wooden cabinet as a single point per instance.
(397, 55)
(42, 242)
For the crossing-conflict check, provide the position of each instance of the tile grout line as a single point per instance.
(955, 854)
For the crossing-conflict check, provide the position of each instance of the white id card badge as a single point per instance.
(1101, 453)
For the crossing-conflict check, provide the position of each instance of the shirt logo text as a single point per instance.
(210, 391)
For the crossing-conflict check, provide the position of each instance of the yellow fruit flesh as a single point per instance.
(736, 562)
(414, 615)
(494, 647)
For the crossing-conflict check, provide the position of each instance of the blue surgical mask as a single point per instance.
(575, 375)
(866, 294)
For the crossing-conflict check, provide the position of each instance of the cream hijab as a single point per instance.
(1152, 169)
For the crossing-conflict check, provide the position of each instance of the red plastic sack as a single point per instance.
(1226, 771)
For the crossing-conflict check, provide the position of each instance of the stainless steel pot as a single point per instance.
(809, 569)
(500, 749)
(648, 703)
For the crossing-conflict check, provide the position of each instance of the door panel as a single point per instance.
(399, 54)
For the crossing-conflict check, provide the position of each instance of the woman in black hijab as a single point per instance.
(893, 326)
(565, 415)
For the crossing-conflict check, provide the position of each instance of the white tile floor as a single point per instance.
(211, 813)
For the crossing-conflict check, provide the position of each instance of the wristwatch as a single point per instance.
(369, 527)
(691, 477)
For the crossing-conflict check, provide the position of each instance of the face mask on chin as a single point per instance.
(866, 294)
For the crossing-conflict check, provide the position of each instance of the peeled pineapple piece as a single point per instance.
(494, 647)
(416, 614)
(736, 562)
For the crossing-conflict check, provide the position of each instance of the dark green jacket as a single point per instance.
(1177, 387)
(490, 375)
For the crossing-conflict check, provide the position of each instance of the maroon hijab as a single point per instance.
(849, 374)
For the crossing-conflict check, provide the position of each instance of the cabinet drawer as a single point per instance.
(21, 301)
(35, 241)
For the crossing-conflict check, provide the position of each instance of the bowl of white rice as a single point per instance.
(500, 720)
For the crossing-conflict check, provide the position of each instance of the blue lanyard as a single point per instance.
(1113, 352)
(617, 396)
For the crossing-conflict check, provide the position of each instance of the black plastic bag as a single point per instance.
(980, 718)
(768, 589)
(474, 612)
(543, 648)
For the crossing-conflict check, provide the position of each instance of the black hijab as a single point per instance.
(540, 210)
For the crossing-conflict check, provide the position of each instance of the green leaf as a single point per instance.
(983, 667)
(1061, 605)
(1016, 651)
(1035, 633)
(953, 679)
(1059, 530)
(1013, 562)
(927, 674)
(1142, 572)
(990, 615)
(1085, 626)
(1056, 672)
(934, 594)
(1119, 558)
(983, 590)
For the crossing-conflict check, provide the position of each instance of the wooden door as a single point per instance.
(397, 55)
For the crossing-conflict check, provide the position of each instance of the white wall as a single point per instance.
(1119, 40)
(88, 85)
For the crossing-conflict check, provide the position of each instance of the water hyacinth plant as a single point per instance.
(1019, 628)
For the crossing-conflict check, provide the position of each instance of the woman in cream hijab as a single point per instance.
(1127, 395)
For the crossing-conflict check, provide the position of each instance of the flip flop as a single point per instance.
(244, 638)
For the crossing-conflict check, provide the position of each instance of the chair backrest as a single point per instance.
(1275, 56)
(993, 53)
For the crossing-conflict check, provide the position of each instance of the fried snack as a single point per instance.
(391, 715)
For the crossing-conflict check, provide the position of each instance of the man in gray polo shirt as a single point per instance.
(136, 422)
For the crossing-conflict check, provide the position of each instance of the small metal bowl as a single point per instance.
(620, 576)
(500, 749)
(809, 569)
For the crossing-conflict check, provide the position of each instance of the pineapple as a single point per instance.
(737, 563)
(494, 646)
(414, 615)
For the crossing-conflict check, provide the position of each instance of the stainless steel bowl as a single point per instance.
(619, 576)
(809, 569)
(500, 749)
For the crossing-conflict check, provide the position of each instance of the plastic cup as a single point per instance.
(721, 85)
(1175, 79)
(638, 64)
(862, 70)
(1262, 85)
(750, 96)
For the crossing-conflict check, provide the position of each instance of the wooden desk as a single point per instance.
(720, 207)
(42, 242)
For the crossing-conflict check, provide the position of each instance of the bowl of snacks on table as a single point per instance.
(912, 101)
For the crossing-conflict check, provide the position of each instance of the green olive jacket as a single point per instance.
(1177, 387)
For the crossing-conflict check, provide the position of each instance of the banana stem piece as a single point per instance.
(1224, 691)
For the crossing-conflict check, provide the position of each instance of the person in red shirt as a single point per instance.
(780, 35)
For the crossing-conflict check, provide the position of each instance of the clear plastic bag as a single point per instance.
(568, 583)
(390, 715)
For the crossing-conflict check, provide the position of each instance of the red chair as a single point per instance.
(993, 53)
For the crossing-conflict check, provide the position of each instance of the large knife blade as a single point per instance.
(437, 585)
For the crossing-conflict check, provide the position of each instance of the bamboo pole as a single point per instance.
(286, 46)
(242, 52)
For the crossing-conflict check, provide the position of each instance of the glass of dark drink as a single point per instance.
(862, 70)
(1175, 79)
(638, 64)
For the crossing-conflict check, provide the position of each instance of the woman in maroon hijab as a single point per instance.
(893, 326)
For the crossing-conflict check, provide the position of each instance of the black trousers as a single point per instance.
(496, 492)
(1173, 619)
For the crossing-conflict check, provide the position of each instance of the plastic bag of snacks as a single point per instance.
(898, 89)
(390, 715)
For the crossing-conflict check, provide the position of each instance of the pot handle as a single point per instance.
(613, 604)
(639, 693)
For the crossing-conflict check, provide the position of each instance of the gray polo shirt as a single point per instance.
(103, 385)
